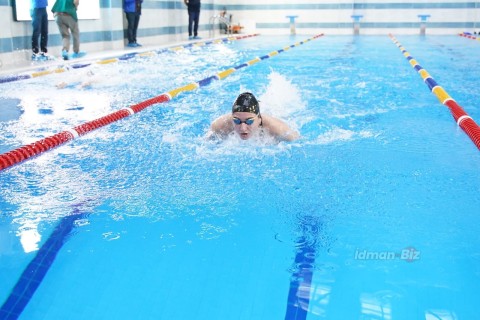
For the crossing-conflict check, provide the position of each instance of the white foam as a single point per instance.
(170, 138)
(281, 98)
(357, 114)
(253, 148)
(340, 134)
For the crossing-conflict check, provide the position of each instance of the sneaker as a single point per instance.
(197, 38)
(65, 55)
(45, 56)
(190, 37)
(79, 54)
(40, 56)
(132, 45)
(138, 44)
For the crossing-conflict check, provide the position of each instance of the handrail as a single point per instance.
(221, 19)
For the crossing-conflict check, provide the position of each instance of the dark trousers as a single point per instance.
(40, 28)
(133, 18)
(193, 17)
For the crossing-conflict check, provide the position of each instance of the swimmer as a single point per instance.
(246, 121)
(91, 78)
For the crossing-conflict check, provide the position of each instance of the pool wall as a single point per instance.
(165, 22)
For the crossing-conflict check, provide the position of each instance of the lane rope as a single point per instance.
(469, 36)
(462, 119)
(45, 71)
(25, 152)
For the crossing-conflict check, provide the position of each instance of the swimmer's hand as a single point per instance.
(61, 85)
(86, 84)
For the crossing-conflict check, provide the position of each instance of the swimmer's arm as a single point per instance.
(88, 83)
(221, 127)
(279, 129)
(61, 85)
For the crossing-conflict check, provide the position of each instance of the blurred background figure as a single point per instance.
(133, 10)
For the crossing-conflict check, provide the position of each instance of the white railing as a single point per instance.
(219, 19)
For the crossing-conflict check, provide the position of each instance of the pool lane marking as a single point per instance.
(25, 152)
(126, 56)
(34, 273)
(299, 292)
(463, 120)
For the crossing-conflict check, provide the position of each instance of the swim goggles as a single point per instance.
(248, 121)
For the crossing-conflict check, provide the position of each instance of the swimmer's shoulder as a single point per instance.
(220, 127)
(222, 124)
(279, 129)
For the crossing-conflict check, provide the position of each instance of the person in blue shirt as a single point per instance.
(39, 16)
(193, 18)
(133, 10)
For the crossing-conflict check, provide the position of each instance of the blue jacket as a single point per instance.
(193, 5)
(39, 4)
(132, 5)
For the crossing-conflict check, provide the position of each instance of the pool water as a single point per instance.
(372, 214)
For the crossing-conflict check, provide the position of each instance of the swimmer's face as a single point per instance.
(245, 124)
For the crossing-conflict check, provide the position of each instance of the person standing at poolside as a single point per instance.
(133, 10)
(65, 13)
(193, 18)
(246, 121)
(39, 16)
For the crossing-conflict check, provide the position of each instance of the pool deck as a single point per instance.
(25, 65)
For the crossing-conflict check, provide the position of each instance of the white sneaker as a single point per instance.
(45, 56)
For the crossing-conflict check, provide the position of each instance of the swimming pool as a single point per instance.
(372, 214)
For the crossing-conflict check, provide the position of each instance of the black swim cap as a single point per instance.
(246, 102)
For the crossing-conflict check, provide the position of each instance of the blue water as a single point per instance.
(372, 214)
